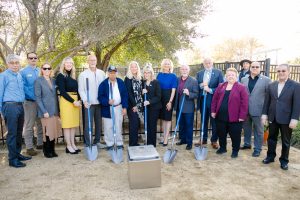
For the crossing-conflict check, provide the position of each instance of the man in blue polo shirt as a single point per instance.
(11, 107)
(29, 74)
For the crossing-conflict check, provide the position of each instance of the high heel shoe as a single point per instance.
(78, 150)
(67, 151)
(164, 145)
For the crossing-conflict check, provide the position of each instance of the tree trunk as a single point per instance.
(98, 53)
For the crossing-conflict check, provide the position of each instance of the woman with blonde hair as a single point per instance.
(46, 98)
(153, 103)
(134, 86)
(69, 103)
(168, 84)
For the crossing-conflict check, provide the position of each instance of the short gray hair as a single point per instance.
(12, 57)
(285, 65)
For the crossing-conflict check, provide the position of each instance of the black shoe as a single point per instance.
(245, 147)
(268, 160)
(109, 148)
(120, 147)
(255, 154)
(284, 166)
(221, 151)
(234, 154)
(67, 151)
(188, 147)
(23, 158)
(16, 163)
(164, 145)
(180, 143)
(78, 150)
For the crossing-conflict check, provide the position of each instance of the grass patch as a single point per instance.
(295, 141)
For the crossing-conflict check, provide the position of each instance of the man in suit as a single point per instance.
(257, 85)
(208, 80)
(187, 86)
(281, 109)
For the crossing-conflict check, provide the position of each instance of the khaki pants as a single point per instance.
(30, 111)
(108, 127)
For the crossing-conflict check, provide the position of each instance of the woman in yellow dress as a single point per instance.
(69, 103)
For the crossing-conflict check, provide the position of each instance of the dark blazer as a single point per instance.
(154, 95)
(131, 99)
(242, 75)
(189, 102)
(286, 106)
(103, 96)
(237, 102)
(46, 97)
(215, 80)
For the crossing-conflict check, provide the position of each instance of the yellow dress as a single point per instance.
(69, 114)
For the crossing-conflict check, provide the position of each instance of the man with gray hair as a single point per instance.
(11, 107)
(188, 88)
(282, 110)
(257, 85)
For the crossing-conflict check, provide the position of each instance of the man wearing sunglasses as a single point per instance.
(257, 85)
(29, 74)
(282, 110)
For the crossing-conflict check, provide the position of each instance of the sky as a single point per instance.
(275, 23)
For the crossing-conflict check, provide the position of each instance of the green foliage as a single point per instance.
(295, 141)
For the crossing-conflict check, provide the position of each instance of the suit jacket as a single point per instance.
(258, 94)
(154, 95)
(237, 102)
(286, 106)
(189, 102)
(215, 79)
(46, 97)
(103, 96)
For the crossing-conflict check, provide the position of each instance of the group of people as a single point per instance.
(246, 100)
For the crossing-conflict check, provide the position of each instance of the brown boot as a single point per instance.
(31, 152)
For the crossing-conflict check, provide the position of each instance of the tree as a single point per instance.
(236, 49)
(59, 28)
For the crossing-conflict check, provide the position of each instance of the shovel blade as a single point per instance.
(170, 155)
(91, 153)
(200, 153)
(116, 155)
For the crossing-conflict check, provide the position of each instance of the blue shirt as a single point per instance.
(29, 75)
(167, 80)
(11, 87)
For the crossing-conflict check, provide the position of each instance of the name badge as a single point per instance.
(29, 75)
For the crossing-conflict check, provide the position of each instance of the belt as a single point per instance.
(13, 102)
(30, 100)
(116, 105)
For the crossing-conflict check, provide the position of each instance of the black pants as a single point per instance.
(152, 117)
(286, 134)
(95, 115)
(234, 129)
(134, 123)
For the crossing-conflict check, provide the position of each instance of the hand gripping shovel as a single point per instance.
(170, 154)
(91, 151)
(115, 152)
(201, 152)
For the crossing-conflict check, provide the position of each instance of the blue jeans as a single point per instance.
(14, 119)
(186, 128)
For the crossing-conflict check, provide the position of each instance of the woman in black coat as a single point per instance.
(134, 86)
(153, 103)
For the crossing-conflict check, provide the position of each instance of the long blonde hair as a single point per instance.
(129, 73)
(62, 69)
(163, 63)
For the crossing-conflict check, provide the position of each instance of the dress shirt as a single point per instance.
(95, 78)
(11, 87)
(116, 93)
(29, 75)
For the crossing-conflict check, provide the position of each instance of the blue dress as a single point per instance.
(167, 82)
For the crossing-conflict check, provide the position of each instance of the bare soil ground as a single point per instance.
(218, 177)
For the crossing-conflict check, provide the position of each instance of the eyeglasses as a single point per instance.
(283, 71)
(32, 58)
(14, 63)
(253, 67)
(46, 68)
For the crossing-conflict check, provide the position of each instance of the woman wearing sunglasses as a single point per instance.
(45, 93)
